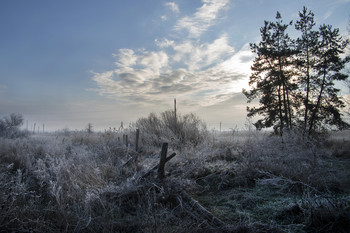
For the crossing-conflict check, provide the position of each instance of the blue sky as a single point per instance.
(67, 63)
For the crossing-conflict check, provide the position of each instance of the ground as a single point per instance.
(242, 181)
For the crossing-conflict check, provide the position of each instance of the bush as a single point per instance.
(180, 130)
(10, 126)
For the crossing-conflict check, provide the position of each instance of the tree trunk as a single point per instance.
(313, 117)
(307, 88)
(280, 108)
(285, 106)
(290, 111)
(283, 80)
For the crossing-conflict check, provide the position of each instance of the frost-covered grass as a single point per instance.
(254, 182)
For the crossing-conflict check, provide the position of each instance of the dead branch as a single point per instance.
(130, 160)
(198, 211)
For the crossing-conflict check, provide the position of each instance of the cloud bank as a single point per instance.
(198, 73)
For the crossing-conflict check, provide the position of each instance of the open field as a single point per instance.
(246, 181)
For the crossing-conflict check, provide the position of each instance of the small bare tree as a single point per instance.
(89, 128)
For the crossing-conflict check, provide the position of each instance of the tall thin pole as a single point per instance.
(220, 126)
(175, 109)
(175, 117)
(137, 140)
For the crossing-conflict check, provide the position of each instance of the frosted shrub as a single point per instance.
(55, 175)
(10, 126)
(187, 129)
(85, 138)
(291, 157)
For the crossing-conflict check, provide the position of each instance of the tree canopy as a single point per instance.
(294, 79)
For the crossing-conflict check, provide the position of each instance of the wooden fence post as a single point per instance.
(157, 166)
(162, 160)
(137, 140)
(125, 140)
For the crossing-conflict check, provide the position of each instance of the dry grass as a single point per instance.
(78, 182)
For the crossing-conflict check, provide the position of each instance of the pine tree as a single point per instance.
(306, 59)
(294, 80)
(326, 109)
(272, 77)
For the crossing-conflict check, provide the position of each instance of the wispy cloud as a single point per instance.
(164, 43)
(328, 13)
(173, 6)
(199, 73)
(208, 76)
(198, 56)
(333, 5)
(203, 18)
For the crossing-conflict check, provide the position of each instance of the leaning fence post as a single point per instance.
(162, 160)
(137, 140)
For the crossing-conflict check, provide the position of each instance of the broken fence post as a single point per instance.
(162, 160)
(155, 167)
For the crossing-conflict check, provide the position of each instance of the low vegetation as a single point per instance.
(10, 126)
(241, 181)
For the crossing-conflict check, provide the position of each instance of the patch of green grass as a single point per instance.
(253, 204)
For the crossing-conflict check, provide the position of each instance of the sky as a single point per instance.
(64, 64)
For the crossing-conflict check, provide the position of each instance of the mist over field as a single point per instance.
(229, 181)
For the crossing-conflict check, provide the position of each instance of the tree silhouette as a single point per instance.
(271, 79)
(326, 110)
(306, 58)
(294, 80)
